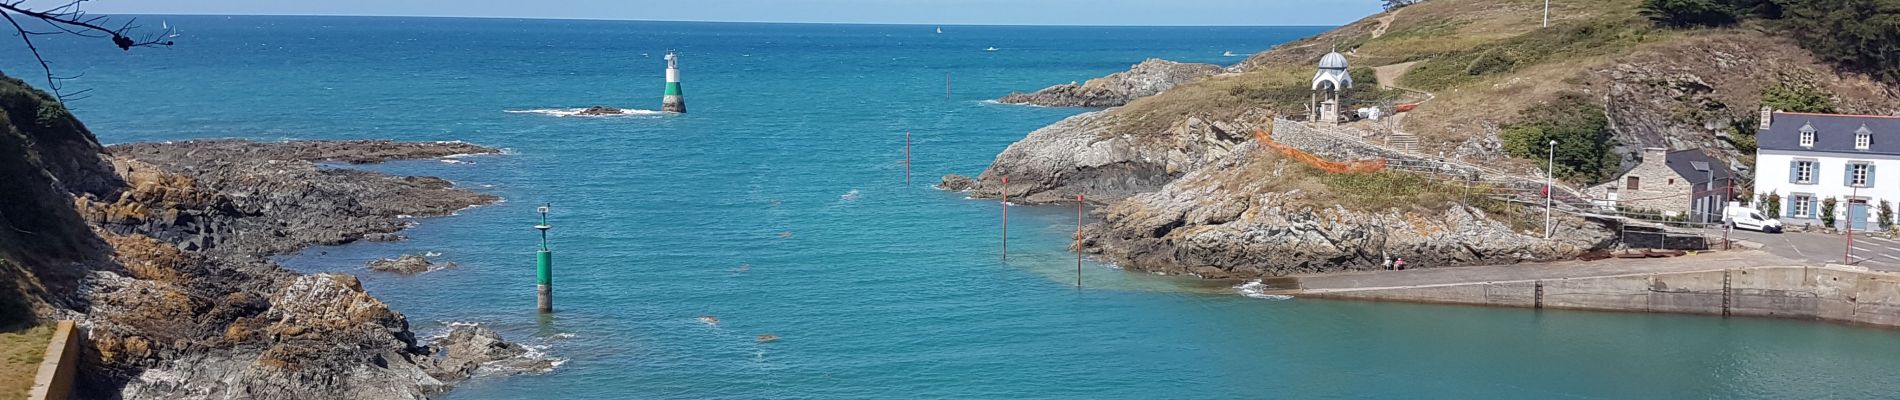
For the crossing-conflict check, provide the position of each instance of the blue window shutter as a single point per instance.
(1847, 179)
(1794, 167)
(1787, 210)
(1870, 176)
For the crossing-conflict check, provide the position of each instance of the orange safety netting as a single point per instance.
(1354, 167)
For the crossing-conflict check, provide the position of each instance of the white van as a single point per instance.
(1751, 219)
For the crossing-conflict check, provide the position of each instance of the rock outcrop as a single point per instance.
(161, 252)
(956, 183)
(470, 347)
(601, 110)
(321, 336)
(1145, 79)
(1082, 155)
(407, 264)
(1227, 221)
(310, 203)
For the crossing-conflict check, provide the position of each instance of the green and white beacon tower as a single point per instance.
(675, 99)
(544, 267)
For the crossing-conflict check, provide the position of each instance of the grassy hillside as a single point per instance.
(44, 245)
(20, 355)
(1484, 63)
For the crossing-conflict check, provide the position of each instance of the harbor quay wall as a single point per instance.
(1831, 293)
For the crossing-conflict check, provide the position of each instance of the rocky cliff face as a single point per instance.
(1083, 155)
(1698, 92)
(1250, 215)
(1145, 79)
(160, 253)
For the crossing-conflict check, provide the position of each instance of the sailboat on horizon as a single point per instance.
(940, 30)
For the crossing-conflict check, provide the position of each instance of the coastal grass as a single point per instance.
(1281, 90)
(1404, 192)
(20, 355)
(1220, 97)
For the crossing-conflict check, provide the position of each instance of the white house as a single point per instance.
(1809, 157)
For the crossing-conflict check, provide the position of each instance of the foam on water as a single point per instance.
(576, 112)
(1258, 290)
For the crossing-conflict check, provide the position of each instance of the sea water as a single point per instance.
(780, 206)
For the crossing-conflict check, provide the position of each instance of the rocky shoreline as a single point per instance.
(1199, 197)
(161, 254)
(1142, 80)
(197, 223)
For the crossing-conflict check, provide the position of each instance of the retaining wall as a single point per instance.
(54, 381)
(1833, 293)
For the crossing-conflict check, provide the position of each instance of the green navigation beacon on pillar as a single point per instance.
(544, 267)
(675, 100)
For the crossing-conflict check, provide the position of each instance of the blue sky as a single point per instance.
(947, 12)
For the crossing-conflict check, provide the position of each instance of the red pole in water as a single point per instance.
(906, 157)
(1006, 218)
(1078, 241)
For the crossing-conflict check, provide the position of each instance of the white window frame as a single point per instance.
(1807, 136)
(1863, 140)
(1859, 174)
(1804, 171)
(1803, 205)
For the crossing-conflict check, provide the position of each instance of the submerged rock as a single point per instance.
(601, 110)
(956, 183)
(469, 348)
(1145, 79)
(407, 264)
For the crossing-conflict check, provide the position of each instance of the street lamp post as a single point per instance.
(1550, 172)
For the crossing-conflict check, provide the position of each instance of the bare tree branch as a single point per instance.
(70, 19)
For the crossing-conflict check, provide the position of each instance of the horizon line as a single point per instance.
(111, 14)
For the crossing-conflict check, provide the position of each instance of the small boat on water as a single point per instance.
(1229, 54)
(992, 49)
(940, 30)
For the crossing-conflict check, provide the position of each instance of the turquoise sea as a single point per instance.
(779, 205)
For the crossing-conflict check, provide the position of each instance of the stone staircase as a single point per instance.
(1405, 142)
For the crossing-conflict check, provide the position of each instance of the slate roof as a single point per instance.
(1694, 165)
(1833, 133)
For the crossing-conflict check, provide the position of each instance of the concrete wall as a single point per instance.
(54, 381)
(1833, 293)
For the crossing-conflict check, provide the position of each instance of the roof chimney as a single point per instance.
(1767, 117)
(1655, 154)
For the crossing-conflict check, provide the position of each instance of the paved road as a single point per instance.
(1532, 271)
(1812, 248)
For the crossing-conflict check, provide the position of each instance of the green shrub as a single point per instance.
(1771, 205)
(1863, 35)
(1827, 212)
(1491, 61)
(1797, 97)
(1584, 152)
(1689, 13)
(1886, 215)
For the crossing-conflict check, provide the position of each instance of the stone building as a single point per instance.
(1675, 183)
